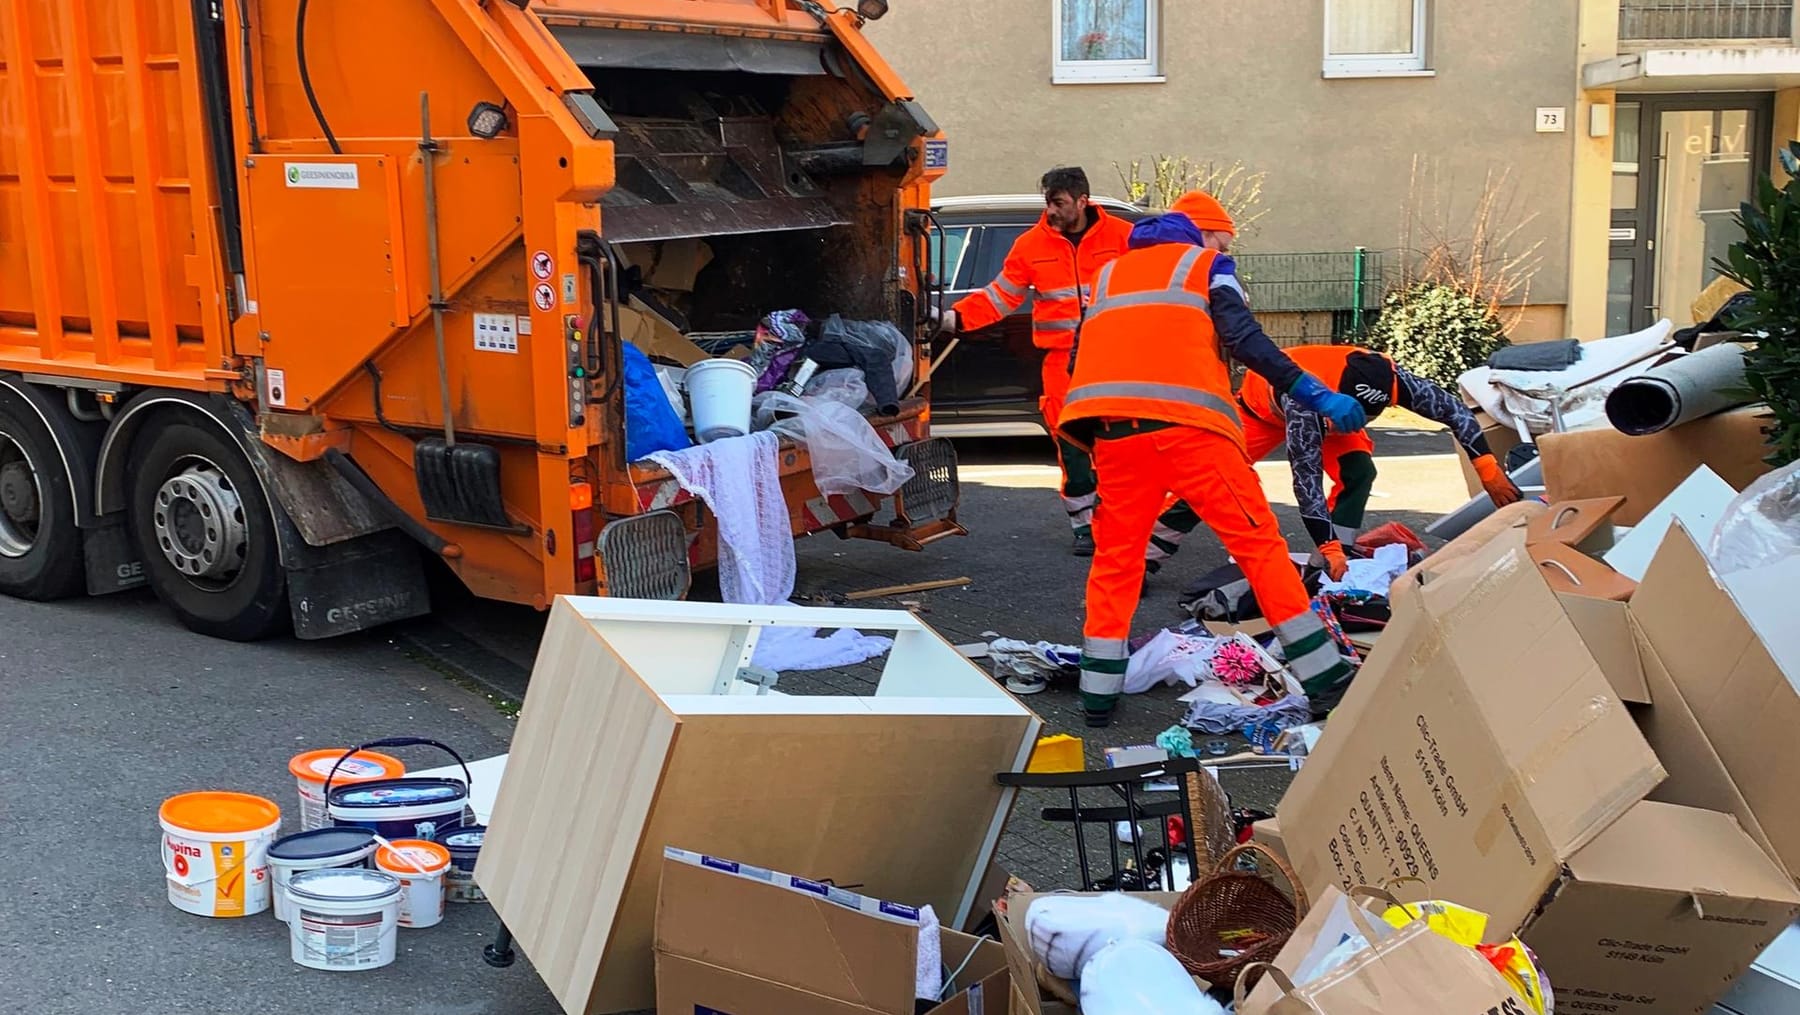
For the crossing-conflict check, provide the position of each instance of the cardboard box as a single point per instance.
(1267, 834)
(1479, 747)
(1605, 627)
(639, 731)
(1691, 629)
(678, 264)
(1515, 516)
(1604, 462)
(1660, 913)
(1027, 997)
(657, 337)
(1568, 571)
(1584, 525)
(1664, 903)
(741, 940)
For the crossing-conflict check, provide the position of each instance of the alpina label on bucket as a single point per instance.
(214, 878)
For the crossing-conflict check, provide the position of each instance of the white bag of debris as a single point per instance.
(847, 454)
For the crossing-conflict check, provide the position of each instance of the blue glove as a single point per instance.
(1345, 413)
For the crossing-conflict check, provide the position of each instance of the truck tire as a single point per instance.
(40, 546)
(205, 532)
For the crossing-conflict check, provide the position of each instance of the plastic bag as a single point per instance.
(1068, 931)
(1514, 962)
(1134, 977)
(880, 335)
(1761, 526)
(841, 385)
(651, 424)
(847, 453)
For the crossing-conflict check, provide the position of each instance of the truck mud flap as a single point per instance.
(113, 563)
(356, 585)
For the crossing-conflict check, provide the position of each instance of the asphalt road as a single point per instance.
(109, 707)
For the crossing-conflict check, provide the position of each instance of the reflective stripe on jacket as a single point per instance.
(1043, 260)
(1148, 348)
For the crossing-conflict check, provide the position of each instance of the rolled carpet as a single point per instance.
(1682, 389)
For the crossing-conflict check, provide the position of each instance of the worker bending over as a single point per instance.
(1316, 452)
(1057, 260)
(1151, 395)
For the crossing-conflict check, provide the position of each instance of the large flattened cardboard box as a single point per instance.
(639, 732)
(739, 940)
(1637, 906)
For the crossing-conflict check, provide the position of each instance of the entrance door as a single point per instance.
(1681, 165)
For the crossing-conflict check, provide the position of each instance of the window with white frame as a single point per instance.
(1106, 41)
(1370, 38)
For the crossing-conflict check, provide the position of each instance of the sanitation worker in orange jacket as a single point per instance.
(1316, 453)
(1151, 394)
(1057, 260)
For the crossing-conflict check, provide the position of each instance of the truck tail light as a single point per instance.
(581, 503)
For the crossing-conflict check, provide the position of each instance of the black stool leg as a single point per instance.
(500, 954)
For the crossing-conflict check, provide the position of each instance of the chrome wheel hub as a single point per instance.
(21, 502)
(199, 523)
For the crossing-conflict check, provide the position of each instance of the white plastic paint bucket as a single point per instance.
(405, 808)
(719, 393)
(464, 845)
(215, 852)
(311, 768)
(318, 849)
(420, 866)
(343, 920)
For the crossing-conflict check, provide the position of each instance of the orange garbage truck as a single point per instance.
(296, 293)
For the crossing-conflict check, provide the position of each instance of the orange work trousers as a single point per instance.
(1211, 473)
(1261, 438)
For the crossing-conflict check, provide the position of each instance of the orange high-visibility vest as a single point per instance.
(1043, 259)
(1148, 349)
(1326, 362)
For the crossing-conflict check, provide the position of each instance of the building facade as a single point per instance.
(1625, 131)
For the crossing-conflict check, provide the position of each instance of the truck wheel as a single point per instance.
(206, 534)
(40, 547)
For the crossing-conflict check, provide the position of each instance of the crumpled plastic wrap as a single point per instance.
(1761, 526)
(847, 453)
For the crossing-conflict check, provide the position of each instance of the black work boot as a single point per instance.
(1084, 542)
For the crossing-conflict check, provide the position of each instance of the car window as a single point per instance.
(955, 244)
(990, 253)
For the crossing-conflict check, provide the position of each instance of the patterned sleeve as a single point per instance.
(1306, 459)
(1434, 403)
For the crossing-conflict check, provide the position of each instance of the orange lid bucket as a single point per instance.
(221, 813)
(314, 766)
(412, 856)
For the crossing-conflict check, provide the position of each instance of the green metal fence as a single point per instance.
(1315, 297)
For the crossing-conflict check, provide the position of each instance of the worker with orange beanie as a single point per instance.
(1056, 260)
(1151, 395)
(1316, 453)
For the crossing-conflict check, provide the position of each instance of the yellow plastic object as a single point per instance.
(1467, 927)
(1059, 753)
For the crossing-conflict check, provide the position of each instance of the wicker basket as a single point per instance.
(1234, 910)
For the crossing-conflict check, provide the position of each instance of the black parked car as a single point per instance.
(989, 386)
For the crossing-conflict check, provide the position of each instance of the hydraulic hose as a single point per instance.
(306, 77)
